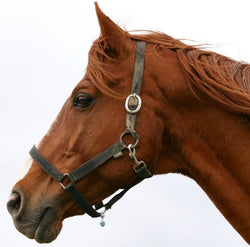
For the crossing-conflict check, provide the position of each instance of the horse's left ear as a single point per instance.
(114, 37)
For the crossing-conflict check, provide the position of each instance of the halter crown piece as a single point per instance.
(132, 106)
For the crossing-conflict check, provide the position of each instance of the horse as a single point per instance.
(148, 104)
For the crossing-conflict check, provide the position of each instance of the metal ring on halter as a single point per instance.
(63, 178)
(136, 103)
(133, 134)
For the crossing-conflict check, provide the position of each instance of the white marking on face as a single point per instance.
(24, 170)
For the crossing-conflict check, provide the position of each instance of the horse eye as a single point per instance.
(82, 100)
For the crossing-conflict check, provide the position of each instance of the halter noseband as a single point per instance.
(132, 106)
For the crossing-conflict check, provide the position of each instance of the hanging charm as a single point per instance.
(102, 223)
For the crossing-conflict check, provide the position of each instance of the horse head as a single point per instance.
(192, 106)
(91, 120)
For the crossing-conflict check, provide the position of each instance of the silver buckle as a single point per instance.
(133, 103)
(62, 180)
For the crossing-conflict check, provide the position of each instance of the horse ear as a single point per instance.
(114, 37)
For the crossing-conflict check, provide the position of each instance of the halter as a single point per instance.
(132, 106)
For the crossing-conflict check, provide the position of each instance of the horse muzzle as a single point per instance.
(35, 222)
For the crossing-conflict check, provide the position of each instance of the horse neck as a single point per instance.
(209, 145)
(221, 167)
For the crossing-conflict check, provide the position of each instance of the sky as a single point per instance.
(43, 47)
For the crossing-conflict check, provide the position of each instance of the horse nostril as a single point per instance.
(14, 203)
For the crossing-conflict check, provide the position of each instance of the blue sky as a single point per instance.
(43, 47)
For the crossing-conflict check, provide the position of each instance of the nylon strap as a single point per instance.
(45, 165)
(80, 199)
(136, 81)
(71, 189)
(138, 68)
(81, 171)
(98, 160)
(77, 174)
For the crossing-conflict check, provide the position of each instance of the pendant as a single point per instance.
(102, 223)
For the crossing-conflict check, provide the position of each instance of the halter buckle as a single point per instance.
(70, 180)
(133, 103)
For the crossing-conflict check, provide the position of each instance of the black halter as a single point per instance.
(132, 106)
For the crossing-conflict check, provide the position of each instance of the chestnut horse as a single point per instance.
(194, 120)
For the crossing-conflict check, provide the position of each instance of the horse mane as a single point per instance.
(223, 80)
(220, 79)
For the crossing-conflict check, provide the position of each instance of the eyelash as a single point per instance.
(82, 100)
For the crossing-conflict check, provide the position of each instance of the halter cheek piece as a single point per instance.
(132, 106)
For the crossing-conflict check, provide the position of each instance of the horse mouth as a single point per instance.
(48, 226)
(44, 225)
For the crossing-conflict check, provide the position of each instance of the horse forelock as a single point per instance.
(98, 70)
